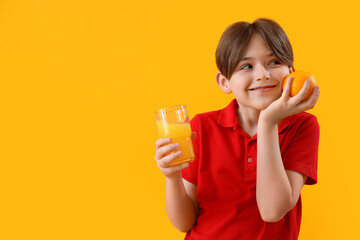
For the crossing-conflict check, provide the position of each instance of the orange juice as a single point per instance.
(179, 133)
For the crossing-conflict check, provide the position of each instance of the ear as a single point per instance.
(291, 69)
(223, 83)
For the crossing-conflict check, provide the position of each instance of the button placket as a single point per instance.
(250, 161)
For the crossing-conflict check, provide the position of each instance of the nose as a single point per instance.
(262, 73)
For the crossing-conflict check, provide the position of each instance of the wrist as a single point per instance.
(267, 122)
(173, 178)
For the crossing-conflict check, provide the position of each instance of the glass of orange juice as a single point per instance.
(174, 122)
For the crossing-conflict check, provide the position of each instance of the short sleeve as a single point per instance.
(191, 173)
(301, 154)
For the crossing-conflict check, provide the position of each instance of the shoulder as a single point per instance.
(304, 116)
(304, 120)
(206, 117)
(302, 127)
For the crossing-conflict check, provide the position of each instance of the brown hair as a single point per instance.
(236, 38)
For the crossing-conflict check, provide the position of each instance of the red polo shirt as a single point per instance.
(224, 172)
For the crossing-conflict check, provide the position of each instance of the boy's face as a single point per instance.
(257, 80)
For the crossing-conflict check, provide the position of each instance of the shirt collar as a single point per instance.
(228, 117)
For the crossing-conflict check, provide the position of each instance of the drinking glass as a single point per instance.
(174, 122)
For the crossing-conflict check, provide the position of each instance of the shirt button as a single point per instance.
(249, 160)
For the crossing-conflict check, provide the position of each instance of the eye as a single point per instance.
(246, 67)
(275, 62)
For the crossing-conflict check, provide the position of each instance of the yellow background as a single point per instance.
(79, 84)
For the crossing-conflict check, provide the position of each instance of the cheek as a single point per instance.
(286, 72)
(281, 75)
(279, 92)
(238, 86)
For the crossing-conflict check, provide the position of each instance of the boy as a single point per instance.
(253, 157)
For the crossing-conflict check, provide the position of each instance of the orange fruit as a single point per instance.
(299, 78)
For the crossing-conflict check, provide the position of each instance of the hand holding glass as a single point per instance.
(174, 122)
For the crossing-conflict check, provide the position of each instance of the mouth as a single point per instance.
(263, 88)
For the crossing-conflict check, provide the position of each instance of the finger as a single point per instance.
(165, 161)
(162, 141)
(170, 170)
(311, 101)
(287, 88)
(164, 150)
(301, 95)
(193, 136)
(313, 97)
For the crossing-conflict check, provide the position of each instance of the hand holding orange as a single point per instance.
(299, 78)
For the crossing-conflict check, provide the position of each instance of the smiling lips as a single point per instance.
(263, 88)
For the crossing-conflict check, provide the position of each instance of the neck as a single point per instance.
(248, 118)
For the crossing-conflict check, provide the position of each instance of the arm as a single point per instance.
(180, 207)
(181, 204)
(278, 190)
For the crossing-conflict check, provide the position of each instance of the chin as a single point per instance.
(260, 108)
(264, 105)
